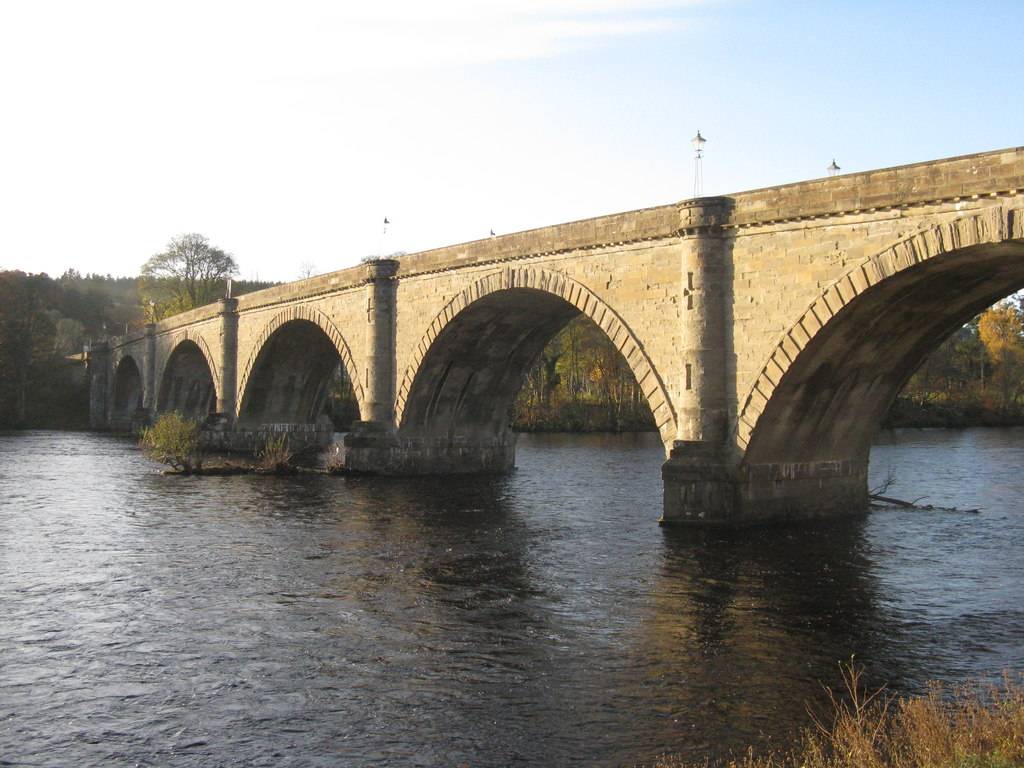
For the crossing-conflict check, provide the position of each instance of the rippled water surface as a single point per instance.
(542, 618)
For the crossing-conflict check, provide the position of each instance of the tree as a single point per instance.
(580, 381)
(26, 341)
(1002, 332)
(69, 336)
(190, 273)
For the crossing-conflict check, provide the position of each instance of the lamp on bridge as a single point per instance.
(833, 169)
(698, 142)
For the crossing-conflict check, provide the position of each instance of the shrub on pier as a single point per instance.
(275, 456)
(174, 440)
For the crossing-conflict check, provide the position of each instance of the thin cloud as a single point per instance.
(314, 38)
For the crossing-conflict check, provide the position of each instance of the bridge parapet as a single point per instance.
(615, 229)
(303, 290)
(936, 181)
(191, 317)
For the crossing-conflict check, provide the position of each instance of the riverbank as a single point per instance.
(950, 413)
(971, 725)
(584, 417)
(575, 428)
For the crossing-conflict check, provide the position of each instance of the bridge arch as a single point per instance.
(128, 388)
(832, 376)
(188, 379)
(292, 390)
(316, 317)
(493, 331)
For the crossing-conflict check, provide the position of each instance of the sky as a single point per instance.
(287, 132)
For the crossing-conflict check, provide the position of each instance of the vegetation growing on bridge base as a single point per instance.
(968, 727)
(275, 456)
(174, 440)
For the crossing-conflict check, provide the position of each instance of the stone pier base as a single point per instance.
(219, 435)
(702, 488)
(129, 422)
(375, 448)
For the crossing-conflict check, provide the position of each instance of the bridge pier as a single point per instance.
(801, 490)
(703, 406)
(700, 482)
(700, 487)
(380, 340)
(219, 435)
(149, 383)
(375, 448)
(228, 358)
(97, 357)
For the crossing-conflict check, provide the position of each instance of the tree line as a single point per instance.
(45, 322)
(975, 377)
(581, 383)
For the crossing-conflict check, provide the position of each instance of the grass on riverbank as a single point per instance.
(967, 727)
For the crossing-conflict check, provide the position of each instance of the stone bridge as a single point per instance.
(769, 330)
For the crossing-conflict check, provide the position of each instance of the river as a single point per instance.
(542, 618)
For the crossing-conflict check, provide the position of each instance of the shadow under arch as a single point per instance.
(187, 383)
(474, 355)
(324, 323)
(821, 397)
(289, 375)
(128, 391)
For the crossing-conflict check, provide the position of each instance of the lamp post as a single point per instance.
(833, 169)
(698, 142)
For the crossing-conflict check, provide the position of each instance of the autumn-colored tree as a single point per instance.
(1001, 331)
(955, 371)
(581, 382)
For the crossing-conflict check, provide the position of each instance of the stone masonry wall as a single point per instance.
(342, 315)
(637, 283)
